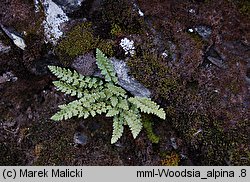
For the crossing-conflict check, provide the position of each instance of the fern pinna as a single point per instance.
(95, 96)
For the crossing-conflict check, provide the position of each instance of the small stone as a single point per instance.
(4, 48)
(218, 62)
(203, 31)
(80, 139)
(85, 64)
(7, 77)
(190, 30)
(173, 143)
(17, 40)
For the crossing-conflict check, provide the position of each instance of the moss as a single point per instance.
(212, 141)
(148, 126)
(153, 72)
(120, 17)
(80, 40)
(197, 39)
(53, 142)
(11, 155)
(116, 30)
(171, 159)
(244, 7)
(106, 46)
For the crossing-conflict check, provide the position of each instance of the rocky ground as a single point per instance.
(192, 57)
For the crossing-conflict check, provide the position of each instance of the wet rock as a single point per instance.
(85, 64)
(80, 139)
(128, 82)
(203, 31)
(55, 17)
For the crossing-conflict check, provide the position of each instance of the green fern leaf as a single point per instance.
(114, 101)
(117, 129)
(75, 79)
(148, 106)
(68, 89)
(112, 112)
(133, 120)
(115, 90)
(106, 67)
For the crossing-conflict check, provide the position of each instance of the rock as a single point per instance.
(217, 62)
(203, 31)
(214, 57)
(4, 48)
(128, 82)
(17, 40)
(55, 17)
(7, 77)
(80, 138)
(85, 64)
(69, 5)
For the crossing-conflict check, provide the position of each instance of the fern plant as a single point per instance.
(95, 96)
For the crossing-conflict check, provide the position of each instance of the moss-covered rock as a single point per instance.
(80, 40)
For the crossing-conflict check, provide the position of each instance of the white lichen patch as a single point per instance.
(128, 46)
(55, 16)
(165, 54)
(190, 30)
(140, 12)
(138, 9)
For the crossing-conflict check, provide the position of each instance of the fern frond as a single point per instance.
(65, 74)
(112, 112)
(123, 104)
(113, 101)
(67, 111)
(74, 78)
(133, 120)
(95, 97)
(107, 69)
(117, 129)
(115, 90)
(87, 105)
(148, 106)
(68, 89)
